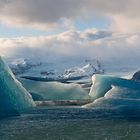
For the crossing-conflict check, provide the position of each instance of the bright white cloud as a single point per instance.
(103, 45)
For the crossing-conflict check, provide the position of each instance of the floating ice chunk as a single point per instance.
(114, 92)
(114, 103)
(136, 76)
(14, 98)
(123, 93)
(55, 90)
(103, 83)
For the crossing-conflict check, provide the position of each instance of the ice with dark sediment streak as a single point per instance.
(114, 92)
(14, 98)
(55, 90)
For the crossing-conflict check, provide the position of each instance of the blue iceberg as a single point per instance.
(113, 92)
(103, 83)
(14, 98)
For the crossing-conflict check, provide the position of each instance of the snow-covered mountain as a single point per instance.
(20, 66)
(26, 67)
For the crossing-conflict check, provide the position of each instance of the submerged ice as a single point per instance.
(114, 92)
(14, 98)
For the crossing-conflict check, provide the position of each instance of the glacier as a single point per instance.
(54, 90)
(14, 98)
(114, 92)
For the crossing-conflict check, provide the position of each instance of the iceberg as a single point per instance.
(14, 98)
(103, 83)
(117, 104)
(123, 93)
(54, 90)
(113, 92)
(136, 76)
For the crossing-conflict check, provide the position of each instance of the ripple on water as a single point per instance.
(68, 124)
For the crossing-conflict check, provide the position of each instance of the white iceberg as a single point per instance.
(55, 90)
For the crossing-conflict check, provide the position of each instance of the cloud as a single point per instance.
(125, 24)
(47, 14)
(39, 14)
(78, 45)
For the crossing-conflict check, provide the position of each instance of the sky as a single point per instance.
(108, 30)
